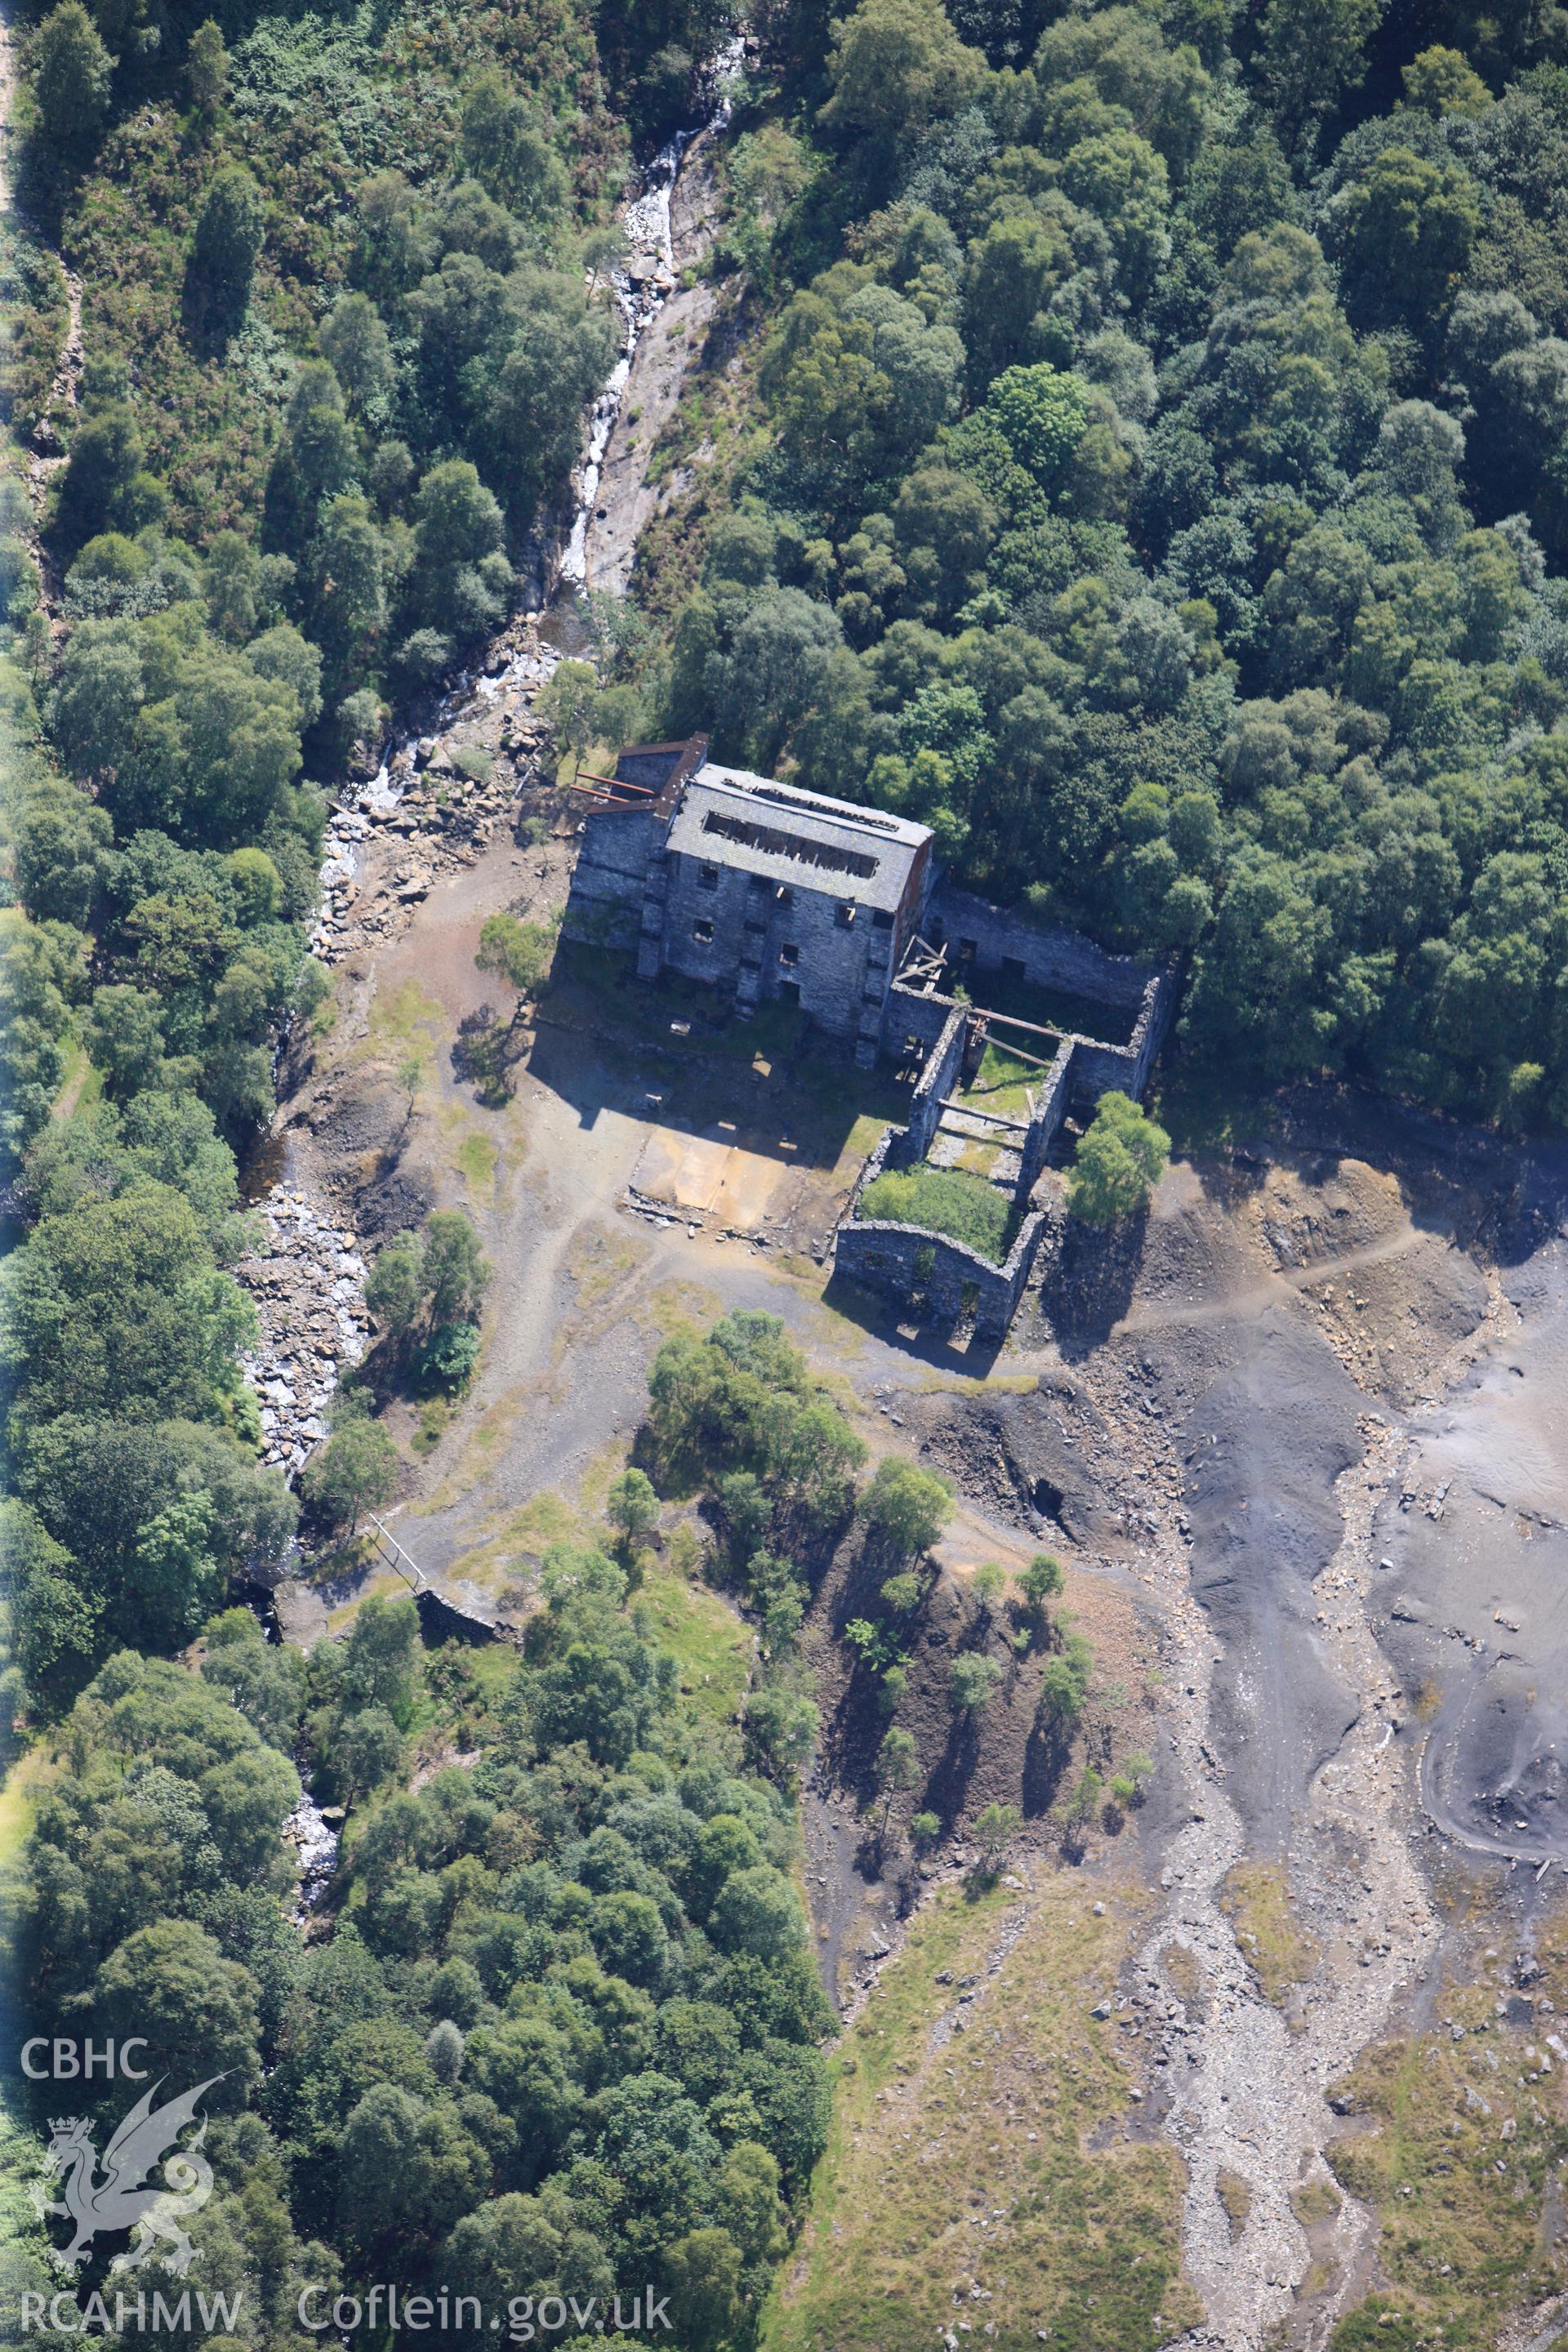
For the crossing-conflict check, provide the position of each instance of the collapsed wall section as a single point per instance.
(985, 939)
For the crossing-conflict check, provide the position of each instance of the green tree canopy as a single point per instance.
(518, 952)
(70, 72)
(116, 1306)
(355, 1471)
(972, 1679)
(229, 230)
(1120, 1159)
(907, 1507)
(207, 67)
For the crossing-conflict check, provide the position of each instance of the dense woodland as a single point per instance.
(565, 2032)
(1148, 473)
(1144, 460)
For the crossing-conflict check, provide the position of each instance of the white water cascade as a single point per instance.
(643, 283)
(316, 1842)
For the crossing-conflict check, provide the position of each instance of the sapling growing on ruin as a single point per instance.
(1119, 1160)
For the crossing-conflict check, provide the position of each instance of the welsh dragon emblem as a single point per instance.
(117, 2200)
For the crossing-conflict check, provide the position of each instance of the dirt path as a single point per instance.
(1159, 1315)
(394, 840)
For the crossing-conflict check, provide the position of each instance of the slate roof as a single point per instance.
(800, 840)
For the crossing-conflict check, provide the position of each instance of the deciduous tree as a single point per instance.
(1120, 1159)
(355, 1471)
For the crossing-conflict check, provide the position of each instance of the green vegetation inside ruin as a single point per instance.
(948, 1201)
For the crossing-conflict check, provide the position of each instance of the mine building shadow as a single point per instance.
(1089, 1284)
(948, 1348)
(671, 1053)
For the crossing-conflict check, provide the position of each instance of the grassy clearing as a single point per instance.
(943, 1201)
(406, 1018)
(19, 1796)
(677, 1308)
(1463, 2165)
(932, 2182)
(863, 1139)
(1256, 1901)
(1314, 2203)
(512, 1541)
(475, 1160)
(493, 1664)
(1003, 1083)
(711, 1643)
(434, 1420)
(81, 1086)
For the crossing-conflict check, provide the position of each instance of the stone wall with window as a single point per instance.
(764, 939)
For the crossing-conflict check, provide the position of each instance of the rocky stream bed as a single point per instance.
(442, 792)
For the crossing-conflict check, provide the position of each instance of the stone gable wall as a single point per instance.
(618, 848)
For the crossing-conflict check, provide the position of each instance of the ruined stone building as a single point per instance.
(763, 891)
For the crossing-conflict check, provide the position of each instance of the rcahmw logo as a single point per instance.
(61, 2314)
(102, 2195)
